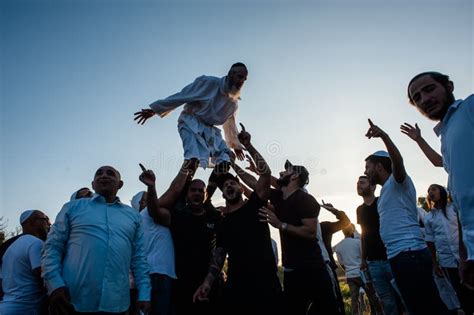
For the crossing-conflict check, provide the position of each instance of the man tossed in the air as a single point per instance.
(209, 102)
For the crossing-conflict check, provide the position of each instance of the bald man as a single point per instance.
(90, 249)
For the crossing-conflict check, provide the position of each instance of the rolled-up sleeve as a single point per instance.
(53, 251)
(231, 134)
(139, 264)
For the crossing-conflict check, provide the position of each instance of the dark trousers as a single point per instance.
(309, 291)
(465, 296)
(161, 286)
(413, 273)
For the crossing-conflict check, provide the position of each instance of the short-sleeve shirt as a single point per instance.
(247, 241)
(442, 230)
(19, 283)
(399, 225)
(194, 238)
(457, 140)
(368, 218)
(296, 251)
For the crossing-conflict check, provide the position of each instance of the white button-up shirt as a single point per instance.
(443, 232)
(457, 147)
(90, 249)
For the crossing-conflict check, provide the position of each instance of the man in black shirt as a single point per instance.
(193, 223)
(307, 284)
(374, 257)
(252, 285)
(329, 228)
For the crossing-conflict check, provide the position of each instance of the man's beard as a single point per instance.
(234, 93)
(234, 200)
(284, 181)
(442, 112)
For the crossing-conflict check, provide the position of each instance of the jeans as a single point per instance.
(381, 275)
(413, 273)
(354, 285)
(160, 294)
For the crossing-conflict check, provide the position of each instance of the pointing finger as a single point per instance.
(370, 123)
(142, 167)
(242, 126)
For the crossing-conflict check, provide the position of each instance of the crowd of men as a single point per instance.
(177, 254)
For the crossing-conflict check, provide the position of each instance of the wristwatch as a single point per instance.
(284, 226)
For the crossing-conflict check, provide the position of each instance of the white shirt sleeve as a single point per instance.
(34, 253)
(190, 93)
(54, 249)
(429, 236)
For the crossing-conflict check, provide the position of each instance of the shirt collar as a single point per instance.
(438, 129)
(223, 85)
(100, 198)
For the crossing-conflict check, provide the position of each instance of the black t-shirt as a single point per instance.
(251, 263)
(296, 251)
(194, 238)
(368, 218)
(328, 229)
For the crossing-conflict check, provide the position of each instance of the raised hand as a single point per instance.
(147, 177)
(240, 154)
(244, 137)
(252, 167)
(413, 132)
(374, 131)
(142, 116)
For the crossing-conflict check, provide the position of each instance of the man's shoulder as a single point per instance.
(208, 79)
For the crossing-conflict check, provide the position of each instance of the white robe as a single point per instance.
(207, 104)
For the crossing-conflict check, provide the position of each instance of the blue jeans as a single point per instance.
(160, 294)
(413, 273)
(381, 275)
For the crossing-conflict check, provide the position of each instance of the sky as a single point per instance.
(74, 72)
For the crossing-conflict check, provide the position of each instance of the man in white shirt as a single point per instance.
(209, 102)
(158, 245)
(432, 94)
(348, 252)
(20, 263)
(90, 249)
(407, 253)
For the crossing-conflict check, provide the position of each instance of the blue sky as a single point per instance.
(74, 72)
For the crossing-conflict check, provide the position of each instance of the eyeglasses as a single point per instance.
(43, 218)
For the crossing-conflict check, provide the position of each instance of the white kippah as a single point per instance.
(25, 215)
(381, 153)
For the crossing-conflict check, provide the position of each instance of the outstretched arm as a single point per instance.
(415, 134)
(263, 183)
(172, 194)
(231, 137)
(160, 215)
(248, 179)
(253, 168)
(343, 219)
(398, 168)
